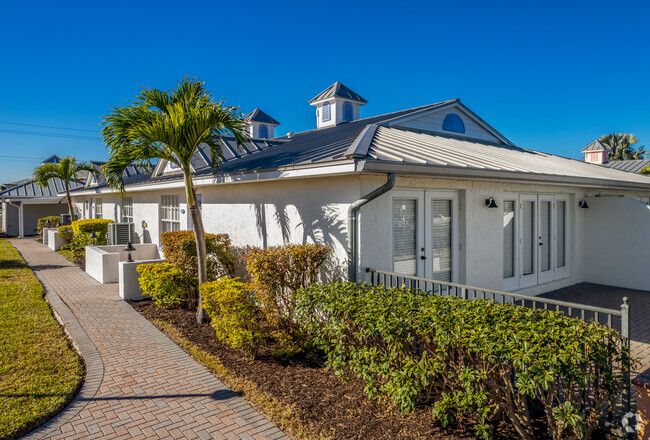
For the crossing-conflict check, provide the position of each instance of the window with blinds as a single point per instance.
(170, 213)
(127, 210)
(545, 235)
(442, 253)
(528, 237)
(509, 239)
(405, 236)
(99, 208)
(560, 212)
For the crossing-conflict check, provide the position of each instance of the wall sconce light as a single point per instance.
(491, 203)
(93, 237)
(144, 224)
(583, 204)
(129, 248)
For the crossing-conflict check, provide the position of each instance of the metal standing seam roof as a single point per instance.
(338, 90)
(258, 115)
(596, 146)
(403, 146)
(631, 166)
(32, 190)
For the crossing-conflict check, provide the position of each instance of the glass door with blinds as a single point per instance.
(425, 234)
(535, 240)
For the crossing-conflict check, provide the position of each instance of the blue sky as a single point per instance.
(549, 75)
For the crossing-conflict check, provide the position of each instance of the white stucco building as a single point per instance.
(457, 201)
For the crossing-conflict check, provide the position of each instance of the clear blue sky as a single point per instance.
(549, 75)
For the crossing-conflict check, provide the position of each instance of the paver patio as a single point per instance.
(139, 384)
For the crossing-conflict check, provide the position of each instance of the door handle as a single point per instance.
(423, 257)
(541, 244)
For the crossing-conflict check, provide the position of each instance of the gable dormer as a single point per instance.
(596, 152)
(337, 104)
(260, 125)
(450, 118)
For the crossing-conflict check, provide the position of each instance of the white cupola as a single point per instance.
(260, 125)
(336, 104)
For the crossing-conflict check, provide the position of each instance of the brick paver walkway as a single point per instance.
(612, 298)
(139, 384)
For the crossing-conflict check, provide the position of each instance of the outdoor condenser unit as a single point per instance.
(120, 233)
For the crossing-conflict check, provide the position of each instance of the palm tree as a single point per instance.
(171, 126)
(621, 146)
(67, 170)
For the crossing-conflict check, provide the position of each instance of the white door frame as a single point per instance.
(530, 279)
(513, 282)
(564, 271)
(418, 196)
(547, 275)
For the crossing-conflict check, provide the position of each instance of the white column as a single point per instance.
(21, 226)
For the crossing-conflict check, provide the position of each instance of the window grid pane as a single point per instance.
(99, 208)
(442, 224)
(528, 237)
(127, 210)
(545, 234)
(170, 213)
(561, 233)
(404, 236)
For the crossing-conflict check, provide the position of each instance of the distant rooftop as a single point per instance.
(631, 166)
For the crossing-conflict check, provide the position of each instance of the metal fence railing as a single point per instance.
(612, 318)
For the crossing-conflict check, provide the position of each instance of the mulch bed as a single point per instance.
(331, 407)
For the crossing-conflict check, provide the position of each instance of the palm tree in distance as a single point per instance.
(67, 170)
(172, 126)
(621, 146)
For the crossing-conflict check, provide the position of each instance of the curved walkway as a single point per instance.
(139, 384)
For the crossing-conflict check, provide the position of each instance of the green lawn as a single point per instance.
(39, 371)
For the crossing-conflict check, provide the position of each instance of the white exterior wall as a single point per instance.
(617, 242)
(336, 112)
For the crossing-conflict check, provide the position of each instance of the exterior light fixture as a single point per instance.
(491, 203)
(583, 204)
(129, 248)
(93, 237)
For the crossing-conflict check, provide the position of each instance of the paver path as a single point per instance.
(139, 384)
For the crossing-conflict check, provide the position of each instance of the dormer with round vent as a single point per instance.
(260, 125)
(336, 105)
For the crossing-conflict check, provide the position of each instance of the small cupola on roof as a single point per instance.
(260, 125)
(336, 104)
(596, 152)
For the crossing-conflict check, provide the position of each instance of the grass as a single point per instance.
(277, 411)
(39, 371)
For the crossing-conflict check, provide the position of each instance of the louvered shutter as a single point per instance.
(442, 252)
(405, 236)
(528, 237)
(508, 239)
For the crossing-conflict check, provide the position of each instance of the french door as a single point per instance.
(535, 240)
(425, 234)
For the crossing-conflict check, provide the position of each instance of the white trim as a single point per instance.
(565, 271)
(547, 276)
(512, 283)
(428, 230)
(530, 279)
(418, 196)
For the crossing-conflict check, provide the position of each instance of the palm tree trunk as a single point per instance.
(199, 236)
(67, 194)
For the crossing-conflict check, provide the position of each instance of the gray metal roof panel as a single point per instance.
(338, 90)
(596, 146)
(631, 166)
(31, 190)
(258, 115)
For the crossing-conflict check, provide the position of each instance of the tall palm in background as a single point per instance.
(171, 126)
(621, 146)
(68, 170)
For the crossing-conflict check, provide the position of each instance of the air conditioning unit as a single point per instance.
(120, 233)
(65, 219)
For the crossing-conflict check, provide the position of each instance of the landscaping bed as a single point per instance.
(40, 372)
(322, 406)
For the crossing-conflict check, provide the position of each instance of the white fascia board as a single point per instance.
(33, 201)
(336, 98)
(251, 176)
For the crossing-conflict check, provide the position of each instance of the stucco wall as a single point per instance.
(9, 219)
(31, 214)
(617, 243)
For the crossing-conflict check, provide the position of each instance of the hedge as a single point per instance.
(87, 226)
(165, 284)
(277, 273)
(47, 222)
(233, 314)
(468, 357)
(179, 248)
(66, 234)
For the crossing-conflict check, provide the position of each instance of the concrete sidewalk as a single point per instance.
(139, 384)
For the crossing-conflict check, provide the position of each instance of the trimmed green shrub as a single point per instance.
(47, 222)
(165, 284)
(87, 226)
(66, 234)
(233, 314)
(277, 273)
(179, 248)
(468, 357)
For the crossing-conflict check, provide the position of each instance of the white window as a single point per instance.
(170, 213)
(99, 208)
(127, 210)
(405, 236)
(326, 112)
(441, 216)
